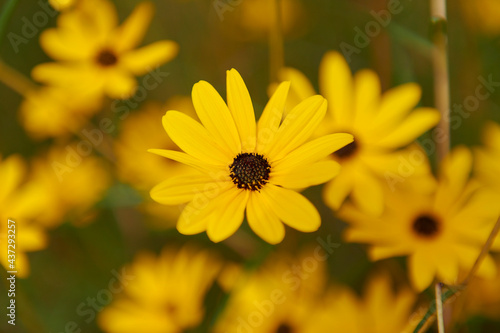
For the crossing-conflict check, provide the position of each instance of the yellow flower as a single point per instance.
(17, 206)
(62, 5)
(283, 295)
(54, 112)
(95, 55)
(165, 295)
(487, 158)
(141, 169)
(378, 310)
(244, 165)
(70, 183)
(380, 124)
(440, 233)
(482, 15)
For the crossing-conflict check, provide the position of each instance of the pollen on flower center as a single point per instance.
(284, 328)
(347, 150)
(106, 58)
(250, 171)
(426, 226)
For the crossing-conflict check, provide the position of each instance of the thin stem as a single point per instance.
(5, 15)
(276, 52)
(441, 74)
(15, 80)
(439, 307)
(484, 251)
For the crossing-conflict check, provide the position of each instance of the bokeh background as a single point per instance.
(86, 245)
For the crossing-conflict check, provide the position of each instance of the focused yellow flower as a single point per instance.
(380, 124)
(165, 294)
(54, 112)
(244, 165)
(96, 56)
(379, 310)
(440, 233)
(144, 170)
(16, 205)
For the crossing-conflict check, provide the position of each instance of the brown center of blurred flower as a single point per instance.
(250, 171)
(106, 58)
(284, 328)
(171, 309)
(426, 226)
(347, 150)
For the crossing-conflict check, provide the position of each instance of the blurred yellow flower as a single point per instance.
(95, 55)
(380, 124)
(440, 233)
(244, 165)
(69, 184)
(284, 295)
(16, 205)
(138, 132)
(55, 112)
(62, 4)
(379, 310)
(166, 293)
(482, 15)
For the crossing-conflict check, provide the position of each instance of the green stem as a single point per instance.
(5, 15)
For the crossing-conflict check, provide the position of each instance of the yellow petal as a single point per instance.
(240, 105)
(60, 45)
(422, 271)
(306, 175)
(132, 31)
(297, 127)
(366, 96)
(447, 267)
(263, 221)
(147, 58)
(300, 87)
(292, 208)
(336, 85)
(367, 194)
(337, 190)
(12, 171)
(193, 138)
(119, 84)
(185, 159)
(228, 215)
(313, 151)
(396, 104)
(178, 190)
(419, 121)
(216, 117)
(269, 121)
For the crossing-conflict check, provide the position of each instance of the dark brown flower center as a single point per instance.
(346, 151)
(106, 58)
(426, 226)
(250, 171)
(284, 328)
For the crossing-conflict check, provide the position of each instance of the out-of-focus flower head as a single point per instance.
(16, 205)
(69, 181)
(283, 295)
(165, 294)
(381, 126)
(96, 56)
(62, 5)
(380, 309)
(482, 15)
(246, 165)
(141, 169)
(440, 233)
(254, 19)
(55, 112)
